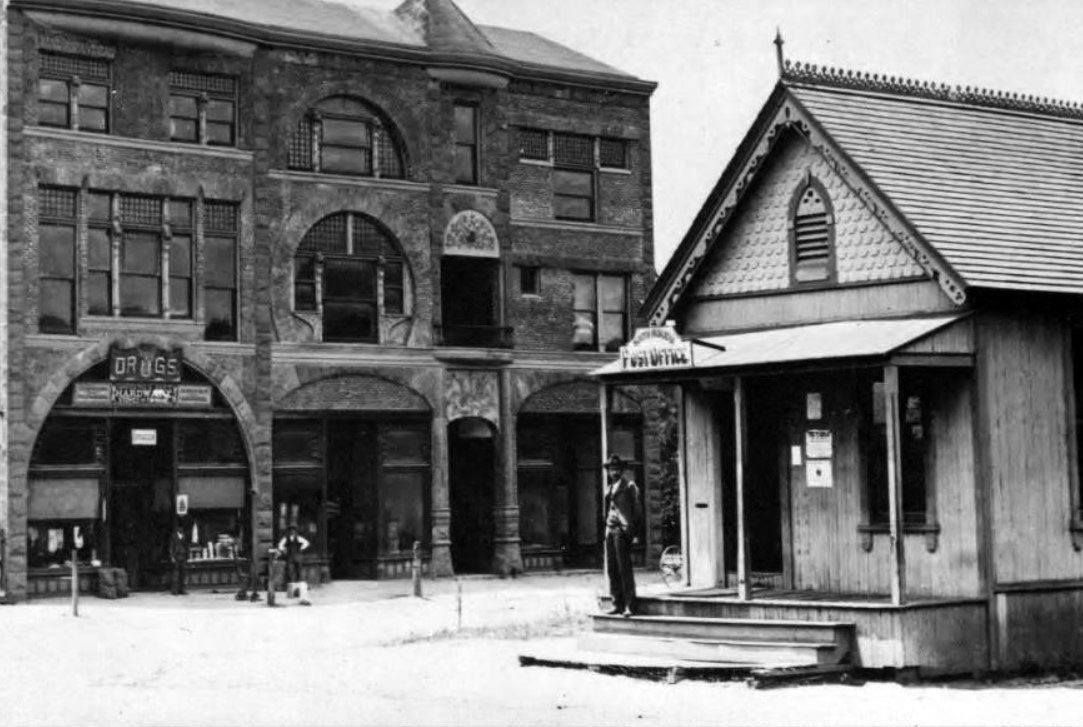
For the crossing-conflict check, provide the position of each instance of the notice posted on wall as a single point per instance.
(796, 460)
(818, 444)
(818, 473)
(814, 406)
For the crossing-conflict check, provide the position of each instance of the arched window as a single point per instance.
(349, 270)
(811, 234)
(344, 135)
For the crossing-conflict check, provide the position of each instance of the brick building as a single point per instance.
(286, 261)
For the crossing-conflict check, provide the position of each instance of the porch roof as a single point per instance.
(819, 342)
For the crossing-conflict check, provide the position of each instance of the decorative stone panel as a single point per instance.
(472, 394)
(754, 254)
(470, 233)
(353, 393)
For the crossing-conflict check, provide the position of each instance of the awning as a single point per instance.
(820, 342)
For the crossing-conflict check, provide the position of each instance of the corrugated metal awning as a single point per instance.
(820, 342)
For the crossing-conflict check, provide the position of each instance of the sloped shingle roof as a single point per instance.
(447, 27)
(997, 192)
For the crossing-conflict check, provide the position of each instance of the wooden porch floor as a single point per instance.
(765, 596)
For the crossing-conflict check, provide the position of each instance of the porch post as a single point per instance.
(740, 431)
(894, 484)
(603, 405)
(682, 485)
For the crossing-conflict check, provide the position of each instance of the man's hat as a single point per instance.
(614, 462)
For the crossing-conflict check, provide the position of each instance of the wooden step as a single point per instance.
(739, 629)
(713, 651)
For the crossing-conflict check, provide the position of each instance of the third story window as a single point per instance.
(344, 135)
(73, 92)
(466, 144)
(202, 108)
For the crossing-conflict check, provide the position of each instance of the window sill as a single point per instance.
(101, 324)
(931, 531)
(98, 137)
(572, 225)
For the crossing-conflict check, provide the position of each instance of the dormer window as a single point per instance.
(344, 135)
(812, 235)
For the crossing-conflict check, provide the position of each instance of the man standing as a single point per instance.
(178, 553)
(622, 513)
(291, 546)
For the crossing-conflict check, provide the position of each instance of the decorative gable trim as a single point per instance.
(791, 115)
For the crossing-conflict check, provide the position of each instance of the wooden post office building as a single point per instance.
(276, 262)
(875, 327)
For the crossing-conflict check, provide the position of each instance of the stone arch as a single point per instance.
(344, 391)
(214, 372)
(577, 396)
(392, 111)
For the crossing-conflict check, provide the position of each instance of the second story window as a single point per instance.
(73, 92)
(600, 312)
(344, 135)
(141, 259)
(342, 264)
(202, 108)
(466, 144)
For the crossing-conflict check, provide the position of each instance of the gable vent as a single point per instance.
(812, 238)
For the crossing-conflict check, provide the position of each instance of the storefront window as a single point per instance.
(50, 542)
(404, 491)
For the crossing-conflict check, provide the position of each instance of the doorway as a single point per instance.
(141, 501)
(470, 294)
(471, 478)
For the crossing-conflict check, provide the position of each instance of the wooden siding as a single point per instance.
(957, 338)
(703, 472)
(827, 543)
(1040, 628)
(1023, 400)
(706, 317)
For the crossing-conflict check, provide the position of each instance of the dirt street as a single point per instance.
(366, 653)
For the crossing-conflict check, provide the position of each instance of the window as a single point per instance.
(56, 260)
(576, 159)
(343, 135)
(337, 274)
(601, 312)
(73, 92)
(528, 280)
(811, 235)
(466, 144)
(141, 254)
(534, 144)
(573, 177)
(220, 280)
(613, 153)
(913, 422)
(202, 108)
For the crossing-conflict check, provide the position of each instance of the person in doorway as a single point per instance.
(178, 553)
(622, 515)
(290, 547)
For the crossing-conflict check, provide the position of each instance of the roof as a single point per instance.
(816, 343)
(433, 30)
(995, 188)
(990, 185)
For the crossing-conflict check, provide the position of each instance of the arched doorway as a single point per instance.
(123, 460)
(471, 477)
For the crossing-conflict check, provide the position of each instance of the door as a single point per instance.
(471, 465)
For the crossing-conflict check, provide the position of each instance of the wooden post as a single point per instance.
(603, 404)
(740, 431)
(415, 569)
(682, 485)
(74, 583)
(459, 603)
(894, 485)
(270, 576)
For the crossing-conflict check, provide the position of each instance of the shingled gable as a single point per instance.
(979, 187)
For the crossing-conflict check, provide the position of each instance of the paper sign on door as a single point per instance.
(818, 473)
(818, 444)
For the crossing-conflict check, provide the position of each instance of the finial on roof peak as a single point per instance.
(779, 57)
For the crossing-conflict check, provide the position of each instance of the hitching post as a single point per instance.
(74, 583)
(271, 576)
(415, 569)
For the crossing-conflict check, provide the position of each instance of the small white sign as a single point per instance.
(818, 473)
(795, 455)
(814, 406)
(182, 504)
(818, 444)
(144, 437)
